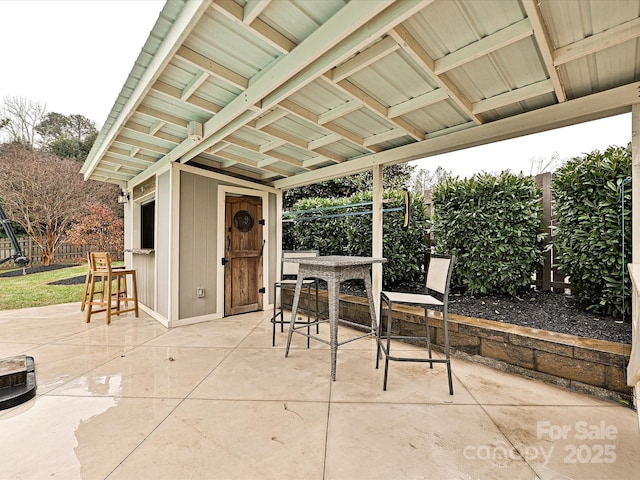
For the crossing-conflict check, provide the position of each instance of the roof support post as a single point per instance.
(376, 237)
(635, 181)
(633, 368)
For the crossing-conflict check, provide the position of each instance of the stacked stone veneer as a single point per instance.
(590, 366)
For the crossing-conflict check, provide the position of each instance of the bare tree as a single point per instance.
(423, 180)
(19, 118)
(541, 165)
(45, 195)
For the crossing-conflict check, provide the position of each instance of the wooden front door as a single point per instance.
(243, 255)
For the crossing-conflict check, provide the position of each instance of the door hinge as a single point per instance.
(261, 221)
(224, 261)
(262, 290)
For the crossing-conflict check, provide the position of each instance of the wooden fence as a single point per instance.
(65, 252)
(548, 277)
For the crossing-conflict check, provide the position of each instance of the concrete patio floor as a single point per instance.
(214, 400)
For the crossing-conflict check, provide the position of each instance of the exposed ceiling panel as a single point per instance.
(291, 93)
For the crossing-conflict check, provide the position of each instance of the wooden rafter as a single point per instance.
(212, 67)
(544, 45)
(598, 42)
(413, 48)
(247, 18)
(500, 39)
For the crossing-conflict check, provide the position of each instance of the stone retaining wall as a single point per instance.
(590, 366)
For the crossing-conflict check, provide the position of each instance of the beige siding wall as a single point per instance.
(198, 262)
(145, 274)
(162, 244)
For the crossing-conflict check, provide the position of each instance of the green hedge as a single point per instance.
(347, 233)
(492, 224)
(587, 194)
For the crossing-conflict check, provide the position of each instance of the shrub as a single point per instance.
(346, 230)
(587, 194)
(492, 225)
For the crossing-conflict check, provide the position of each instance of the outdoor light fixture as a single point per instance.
(194, 131)
(123, 197)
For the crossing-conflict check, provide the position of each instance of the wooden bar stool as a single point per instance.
(101, 270)
(87, 282)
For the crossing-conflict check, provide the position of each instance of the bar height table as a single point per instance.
(333, 269)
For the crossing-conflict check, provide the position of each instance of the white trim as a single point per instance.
(173, 306)
(153, 314)
(223, 190)
(192, 320)
(227, 178)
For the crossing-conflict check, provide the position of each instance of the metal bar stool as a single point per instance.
(438, 279)
(288, 277)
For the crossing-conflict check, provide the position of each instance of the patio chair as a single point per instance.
(102, 270)
(438, 277)
(288, 278)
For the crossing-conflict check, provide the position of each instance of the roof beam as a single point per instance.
(514, 96)
(153, 132)
(333, 42)
(419, 55)
(544, 45)
(133, 129)
(130, 162)
(112, 174)
(166, 117)
(598, 42)
(156, 126)
(416, 103)
(174, 93)
(122, 153)
(324, 141)
(385, 136)
(193, 85)
(151, 147)
(247, 18)
(339, 111)
(500, 39)
(379, 109)
(212, 68)
(591, 107)
(272, 155)
(271, 144)
(249, 163)
(273, 116)
(284, 139)
(311, 117)
(253, 9)
(365, 58)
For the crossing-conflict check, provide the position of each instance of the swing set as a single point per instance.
(18, 257)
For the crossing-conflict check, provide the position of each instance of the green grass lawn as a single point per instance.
(32, 290)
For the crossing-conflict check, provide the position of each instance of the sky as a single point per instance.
(74, 56)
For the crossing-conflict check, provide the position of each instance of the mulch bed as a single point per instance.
(556, 312)
(79, 280)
